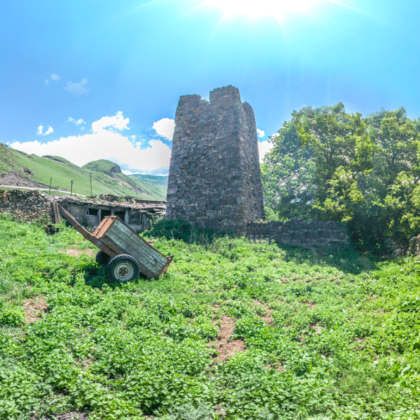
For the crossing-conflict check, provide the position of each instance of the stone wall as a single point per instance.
(31, 205)
(25, 205)
(214, 175)
(300, 233)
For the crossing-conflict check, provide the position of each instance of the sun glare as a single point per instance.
(255, 9)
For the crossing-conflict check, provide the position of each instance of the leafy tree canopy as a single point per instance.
(329, 164)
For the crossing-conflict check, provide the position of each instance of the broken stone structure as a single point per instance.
(214, 175)
(309, 235)
(31, 205)
(215, 179)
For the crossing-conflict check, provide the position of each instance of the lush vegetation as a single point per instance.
(333, 165)
(102, 165)
(60, 159)
(41, 169)
(154, 179)
(322, 336)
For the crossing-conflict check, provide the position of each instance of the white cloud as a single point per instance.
(117, 121)
(104, 143)
(260, 133)
(49, 131)
(47, 81)
(165, 128)
(77, 88)
(55, 77)
(77, 122)
(263, 148)
(39, 132)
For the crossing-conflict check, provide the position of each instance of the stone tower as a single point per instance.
(214, 174)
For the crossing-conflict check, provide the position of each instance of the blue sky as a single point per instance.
(123, 65)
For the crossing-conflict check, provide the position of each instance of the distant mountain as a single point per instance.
(102, 165)
(20, 169)
(154, 179)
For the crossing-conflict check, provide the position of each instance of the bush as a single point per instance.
(181, 230)
(12, 317)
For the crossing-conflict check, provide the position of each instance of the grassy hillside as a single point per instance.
(101, 165)
(110, 168)
(41, 169)
(61, 160)
(154, 179)
(234, 331)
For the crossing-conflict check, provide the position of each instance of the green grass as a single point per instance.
(325, 336)
(154, 179)
(62, 173)
(100, 165)
(61, 160)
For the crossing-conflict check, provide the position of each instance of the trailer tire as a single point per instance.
(102, 258)
(122, 268)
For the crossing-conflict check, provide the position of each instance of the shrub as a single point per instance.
(12, 317)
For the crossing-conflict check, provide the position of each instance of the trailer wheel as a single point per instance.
(102, 258)
(122, 268)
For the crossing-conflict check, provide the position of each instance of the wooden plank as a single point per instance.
(120, 244)
(147, 260)
(57, 219)
(165, 269)
(130, 238)
(148, 273)
(150, 263)
(87, 235)
(121, 239)
(127, 229)
(142, 248)
(104, 226)
(114, 246)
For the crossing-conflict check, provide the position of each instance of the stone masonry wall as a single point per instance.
(297, 232)
(32, 205)
(214, 175)
(25, 205)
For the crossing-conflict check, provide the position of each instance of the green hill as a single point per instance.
(154, 179)
(102, 166)
(114, 171)
(37, 171)
(60, 159)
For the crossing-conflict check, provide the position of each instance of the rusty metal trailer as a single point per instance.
(122, 250)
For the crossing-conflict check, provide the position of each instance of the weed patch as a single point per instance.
(235, 330)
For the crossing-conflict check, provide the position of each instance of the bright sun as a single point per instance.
(255, 9)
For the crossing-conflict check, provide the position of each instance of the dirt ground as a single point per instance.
(224, 347)
(78, 252)
(33, 309)
(15, 179)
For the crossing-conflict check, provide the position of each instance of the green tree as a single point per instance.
(336, 166)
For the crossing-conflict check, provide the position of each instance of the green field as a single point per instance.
(41, 169)
(100, 165)
(154, 179)
(328, 336)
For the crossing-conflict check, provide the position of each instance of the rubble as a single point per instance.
(31, 205)
(26, 205)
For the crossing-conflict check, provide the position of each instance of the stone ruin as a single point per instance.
(31, 205)
(215, 179)
(214, 176)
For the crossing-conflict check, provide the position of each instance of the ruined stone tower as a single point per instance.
(214, 175)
